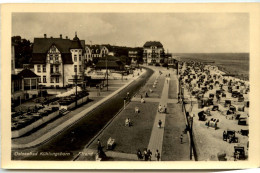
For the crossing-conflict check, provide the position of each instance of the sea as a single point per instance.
(230, 63)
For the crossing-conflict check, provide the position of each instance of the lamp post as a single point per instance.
(124, 102)
(106, 73)
(76, 91)
(191, 125)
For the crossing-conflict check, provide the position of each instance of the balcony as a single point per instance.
(55, 62)
(56, 73)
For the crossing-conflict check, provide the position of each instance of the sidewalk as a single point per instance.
(47, 136)
(167, 139)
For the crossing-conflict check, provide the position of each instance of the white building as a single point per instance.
(58, 60)
(153, 52)
(98, 51)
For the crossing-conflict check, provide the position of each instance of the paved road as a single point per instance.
(73, 139)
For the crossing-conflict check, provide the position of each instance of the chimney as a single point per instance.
(61, 36)
(66, 37)
(45, 35)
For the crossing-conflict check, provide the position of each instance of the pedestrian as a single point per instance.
(145, 155)
(99, 145)
(157, 155)
(139, 154)
(181, 137)
(165, 109)
(141, 96)
(160, 124)
(149, 153)
(160, 108)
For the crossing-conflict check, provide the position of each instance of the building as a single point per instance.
(136, 55)
(58, 60)
(153, 52)
(98, 51)
(24, 85)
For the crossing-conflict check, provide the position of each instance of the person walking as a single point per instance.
(149, 153)
(160, 124)
(145, 155)
(181, 137)
(160, 108)
(157, 155)
(165, 109)
(139, 154)
(99, 145)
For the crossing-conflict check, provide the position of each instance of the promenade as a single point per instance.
(165, 139)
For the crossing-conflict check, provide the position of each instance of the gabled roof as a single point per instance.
(42, 45)
(153, 43)
(108, 46)
(26, 73)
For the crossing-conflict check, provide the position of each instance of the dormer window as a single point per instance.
(51, 57)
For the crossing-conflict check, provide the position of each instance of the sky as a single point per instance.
(178, 32)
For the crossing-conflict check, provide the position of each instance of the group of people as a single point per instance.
(162, 109)
(147, 155)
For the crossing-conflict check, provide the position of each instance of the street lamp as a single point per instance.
(124, 102)
(106, 73)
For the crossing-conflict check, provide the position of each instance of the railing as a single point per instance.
(189, 122)
(56, 73)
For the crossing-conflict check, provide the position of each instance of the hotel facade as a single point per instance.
(153, 52)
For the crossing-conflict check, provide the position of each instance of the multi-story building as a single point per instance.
(153, 52)
(58, 60)
(135, 54)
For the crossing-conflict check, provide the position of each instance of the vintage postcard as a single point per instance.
(130, 86)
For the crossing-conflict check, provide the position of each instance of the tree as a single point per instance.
(23, 51)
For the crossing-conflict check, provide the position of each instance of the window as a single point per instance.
(51, 68)
(80, 68)
(52, 80)
(56, 68)
(39, 79)
(57, 79)
(38, 68)
(56, 57)
(76, 50)
(43, 68)
(75, 68)
(51, 57)
(79, 57)
(44, 79)
(75, 58)
(79, 50)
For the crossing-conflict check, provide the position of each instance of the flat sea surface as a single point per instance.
(230, 63)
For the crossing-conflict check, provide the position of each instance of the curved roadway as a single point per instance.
(71, 141)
